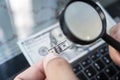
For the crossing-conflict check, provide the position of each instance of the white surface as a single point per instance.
(8, 37)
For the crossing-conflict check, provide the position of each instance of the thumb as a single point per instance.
(57, 68)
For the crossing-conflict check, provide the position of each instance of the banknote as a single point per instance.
(38, 45)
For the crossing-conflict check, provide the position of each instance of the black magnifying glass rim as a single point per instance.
(71, 36)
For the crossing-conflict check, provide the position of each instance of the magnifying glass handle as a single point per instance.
(115, 44)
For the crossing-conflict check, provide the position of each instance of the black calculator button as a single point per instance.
(110, 71)
(99, 65)
(96, 55)
(86, 62)
(101, 76)
(90, 71)
(81, 76)
(117, 77)
(106, 59)
(77, 68)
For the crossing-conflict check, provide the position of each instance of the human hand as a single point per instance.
(52, 67)
(115, 33)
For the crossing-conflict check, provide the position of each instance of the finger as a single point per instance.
(115, 56)
(115, 33)
(35, 72)
(57, 68)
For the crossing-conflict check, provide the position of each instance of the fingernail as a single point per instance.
(49, 57)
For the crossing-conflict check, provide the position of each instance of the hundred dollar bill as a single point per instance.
(37, 46)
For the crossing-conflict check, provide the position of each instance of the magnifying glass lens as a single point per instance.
(83, 21)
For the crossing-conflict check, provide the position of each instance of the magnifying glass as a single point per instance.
(83, 22)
